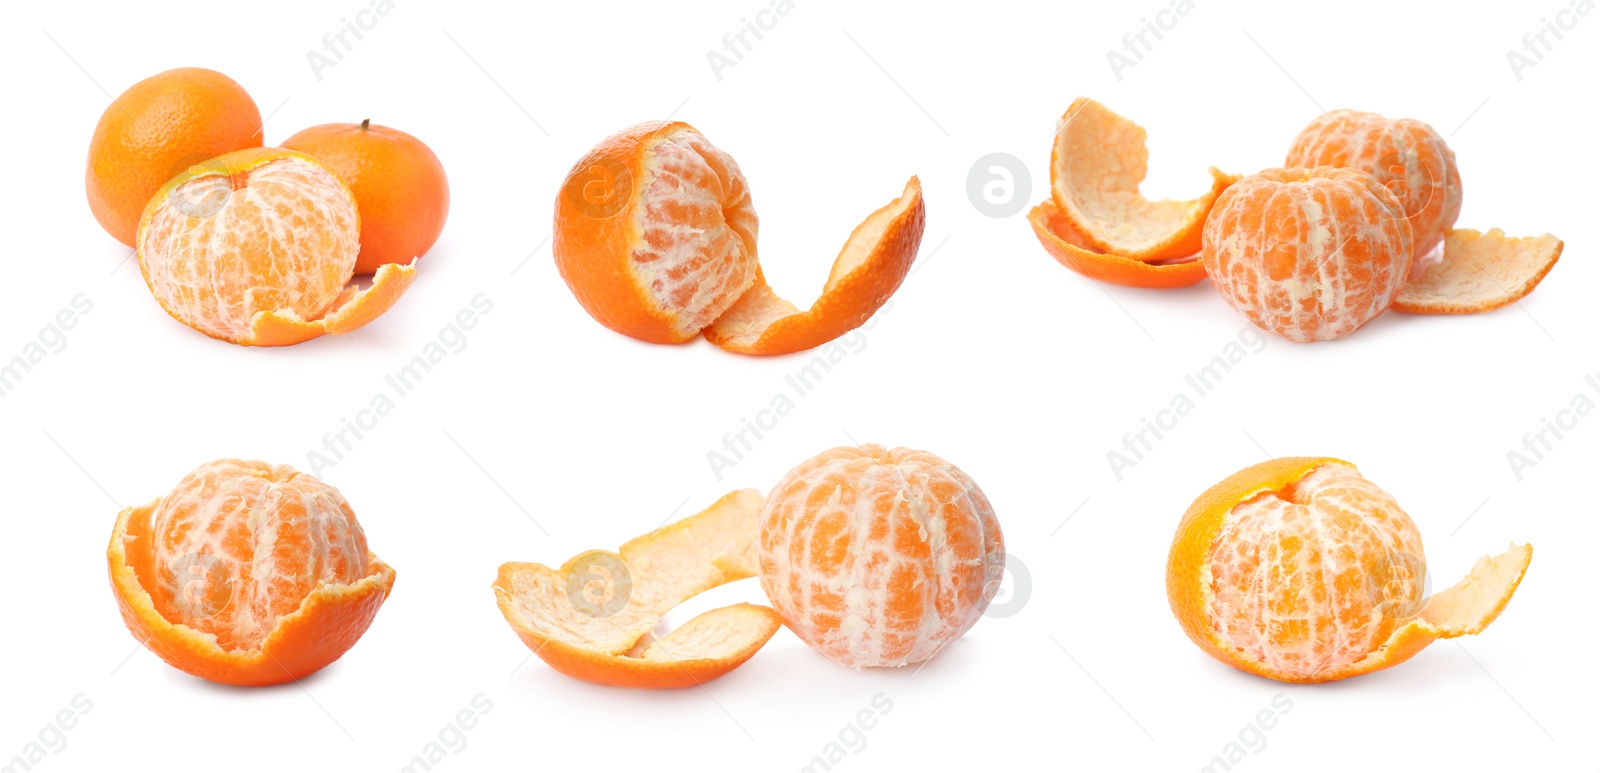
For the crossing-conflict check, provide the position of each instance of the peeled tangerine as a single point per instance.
(879, 557)
(594, 618)
(1309, 254)
(1472, 272)
(655, 234)
(1300, 570)
(257, 247)
(247, 573)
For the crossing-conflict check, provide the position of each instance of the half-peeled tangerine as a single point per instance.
(1300, 570)
(655, 234)
(246, 574)
(257, 247)
(593, 618)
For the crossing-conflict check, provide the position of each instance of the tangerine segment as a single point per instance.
(878, 557)
(1301, 570)
(1070, 249)
(246, 574)
(592, 619)
(1309, 254)
(655, 232)
(1098, 160)
(870, 267)
(351, 310)
(1406, 156)
(260, 231)
(1480, 272)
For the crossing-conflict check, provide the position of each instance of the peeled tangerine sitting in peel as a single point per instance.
(246, 573)
(879, 557)
(257, 247)
(1300, 570)
(655, 234)
(593, 618)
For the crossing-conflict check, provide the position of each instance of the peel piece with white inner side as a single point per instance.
(593, 618)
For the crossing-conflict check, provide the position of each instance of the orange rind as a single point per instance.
(1070, 249)
(1096, 165)
(257, 247)
(1480, 272)
(870, 267)
(1300, 570)
(593, 618)
(201, 606)
(655, 235)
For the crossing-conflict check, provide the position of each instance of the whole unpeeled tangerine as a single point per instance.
(158, 128)
(399, 186)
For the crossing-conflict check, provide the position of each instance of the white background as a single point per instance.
(548, 434)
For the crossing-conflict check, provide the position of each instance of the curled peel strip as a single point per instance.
(1480, 272)
(1464, 609)
(1096, 165)
(607, 637)
(870, 267)
(1070, 249)
(352, 309)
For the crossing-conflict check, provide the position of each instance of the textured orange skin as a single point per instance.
(328, 623)
(156, 129)
(1070, 249)
(351, 310)
(623, 671)
(398, 182)
(594, 254)
(850, 303)
(1199, 529)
